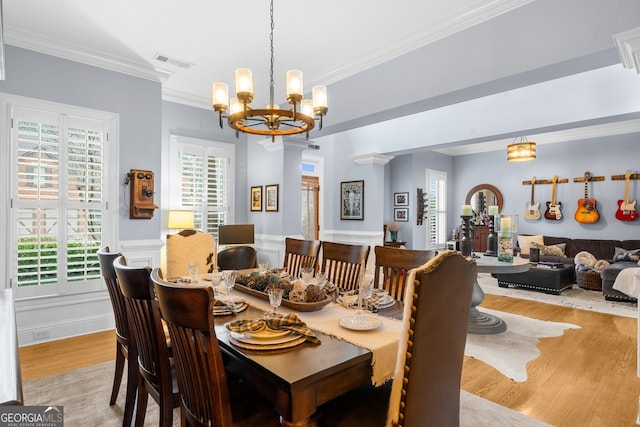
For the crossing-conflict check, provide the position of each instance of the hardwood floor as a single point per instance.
(586, 377)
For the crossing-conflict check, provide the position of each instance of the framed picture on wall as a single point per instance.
(401, 199)
(401, 214)
(271, 197)
(256, 198)
(352, 200)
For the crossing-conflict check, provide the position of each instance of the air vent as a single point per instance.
(173, 61)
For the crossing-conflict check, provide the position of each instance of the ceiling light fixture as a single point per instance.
(521, 151)
(271, 120)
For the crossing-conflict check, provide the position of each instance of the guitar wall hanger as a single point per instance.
(591, 179)
(623, 177)
(547, 181)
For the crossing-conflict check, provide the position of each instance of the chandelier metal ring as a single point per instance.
(270, 120)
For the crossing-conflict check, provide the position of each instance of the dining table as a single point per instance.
(297, 380)
(481, 322)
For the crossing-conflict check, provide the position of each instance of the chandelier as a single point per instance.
(271, 120)
(521, 151)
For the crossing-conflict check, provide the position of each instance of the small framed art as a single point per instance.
(271, 197)
(352, 200)
(401, 199)
(256, 198)
(401, 214)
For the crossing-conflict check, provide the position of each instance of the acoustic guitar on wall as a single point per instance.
(533, 209)
(626, 209)
(586, 212)
(554, 210)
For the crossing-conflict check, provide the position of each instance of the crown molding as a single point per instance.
(75, 53)
(371, 159)
(628, 44)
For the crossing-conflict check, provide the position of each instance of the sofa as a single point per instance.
(601, 249)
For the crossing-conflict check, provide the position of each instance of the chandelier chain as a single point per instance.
(271, 82)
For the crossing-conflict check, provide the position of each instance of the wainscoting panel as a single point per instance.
(56, 317)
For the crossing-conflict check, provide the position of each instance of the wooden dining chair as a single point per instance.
(156, 377)
(426, 387)
(299, 254)
(393, 265)
(237, 258)
(125, 348)
(343, 264)
(207, 397)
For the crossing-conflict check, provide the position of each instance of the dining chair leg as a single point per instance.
(117, 376)
(166, 413)
(141, 404)
(130, 402)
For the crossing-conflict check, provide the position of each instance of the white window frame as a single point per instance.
(437, 208)
(177, 143)
(9, 105)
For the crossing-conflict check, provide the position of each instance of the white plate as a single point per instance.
(268, 333)
(387, 304)
(246, 338)
(383, 300)
(370, 324)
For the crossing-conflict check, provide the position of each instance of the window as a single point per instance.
(202, 180)
(437, 205)
(59, 188)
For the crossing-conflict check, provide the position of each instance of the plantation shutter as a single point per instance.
(437, 219)
(58, 185)
(205, 185)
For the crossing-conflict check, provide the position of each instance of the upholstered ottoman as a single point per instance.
(609, 275)
(548, 280)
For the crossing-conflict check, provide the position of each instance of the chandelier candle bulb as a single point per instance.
(466, 210)
(294, 86)
(306, 107)
(220, 96)
(320, 98)
(244, 85)
(235, 106)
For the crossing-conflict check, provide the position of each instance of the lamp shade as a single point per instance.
(180, 219)
(521, 151)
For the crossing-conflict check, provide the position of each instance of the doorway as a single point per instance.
(310, 198)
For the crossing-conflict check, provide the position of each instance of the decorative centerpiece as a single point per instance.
(393, 228)
(296, 294)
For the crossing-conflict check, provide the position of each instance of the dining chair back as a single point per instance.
(300, 254)
(202, 381)
(343, 264)
(426, 387)
(156, 377)
(237, 258)
(393, 265)
(187, 246)
(209, 396)
(125, 348)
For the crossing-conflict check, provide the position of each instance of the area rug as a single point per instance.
(510, 351)
(574, 297)
(84, 394)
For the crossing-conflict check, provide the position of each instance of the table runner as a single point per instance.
(382, 342)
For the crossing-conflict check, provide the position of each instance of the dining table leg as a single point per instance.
(480, 322)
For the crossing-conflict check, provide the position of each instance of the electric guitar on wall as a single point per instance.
(626, 209)
(554, 210)
(533, 209)
(586, 212)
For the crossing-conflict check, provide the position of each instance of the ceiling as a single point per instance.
(206, 40)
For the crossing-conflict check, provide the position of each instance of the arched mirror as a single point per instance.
(482, 196)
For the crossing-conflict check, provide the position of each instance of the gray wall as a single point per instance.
(602, 157)
(136, 101)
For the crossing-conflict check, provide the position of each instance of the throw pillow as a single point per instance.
(553, 250)
(625, 255)
(525, 242)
